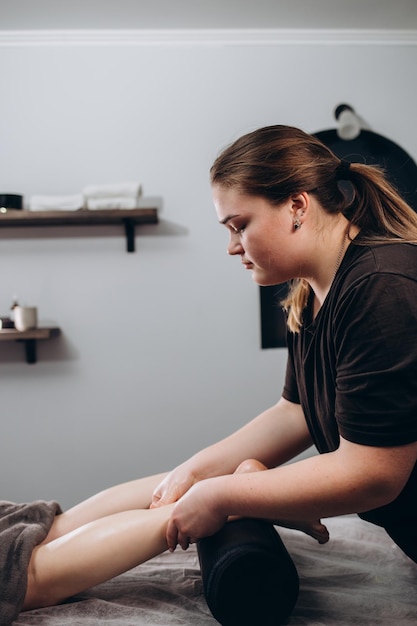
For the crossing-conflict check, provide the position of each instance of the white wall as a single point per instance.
(160, 352)
(50, 14)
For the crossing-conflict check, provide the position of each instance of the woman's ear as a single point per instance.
(299, 205)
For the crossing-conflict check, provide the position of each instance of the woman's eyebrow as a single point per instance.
(228, 218)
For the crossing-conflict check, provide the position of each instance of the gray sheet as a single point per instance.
(359, 577)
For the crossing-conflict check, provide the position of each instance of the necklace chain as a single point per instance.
(339, 256)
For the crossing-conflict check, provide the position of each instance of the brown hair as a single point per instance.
(275, 162)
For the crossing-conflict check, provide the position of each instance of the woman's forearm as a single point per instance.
(350, 480)
(287, 493)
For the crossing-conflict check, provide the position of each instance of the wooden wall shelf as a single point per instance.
(83, 217)
(29, 337)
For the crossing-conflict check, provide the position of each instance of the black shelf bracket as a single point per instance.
(130, 234)
(30, 350)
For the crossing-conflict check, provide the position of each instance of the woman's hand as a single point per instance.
(197, 514)
(173, 486)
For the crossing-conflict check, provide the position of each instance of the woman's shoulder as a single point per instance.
(378, 286)
(365, 259)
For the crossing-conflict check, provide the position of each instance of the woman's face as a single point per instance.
(261, 234)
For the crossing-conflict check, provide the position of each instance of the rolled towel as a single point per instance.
(115, 190)
(50, 203)
(111, 203)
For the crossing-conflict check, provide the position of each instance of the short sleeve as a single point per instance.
(375, 339)
(290, 391)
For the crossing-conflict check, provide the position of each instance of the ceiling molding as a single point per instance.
(207, 37)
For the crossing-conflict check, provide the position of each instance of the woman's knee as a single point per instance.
(250, 465)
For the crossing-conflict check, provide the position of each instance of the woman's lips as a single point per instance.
(248, 265)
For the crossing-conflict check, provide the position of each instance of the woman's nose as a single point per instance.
(234, 247)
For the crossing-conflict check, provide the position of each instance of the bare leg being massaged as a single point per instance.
(107, 535)
(96, 540)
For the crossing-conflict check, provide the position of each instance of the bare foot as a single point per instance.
(313, 528)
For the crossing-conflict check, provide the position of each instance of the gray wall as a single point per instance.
(160, 352)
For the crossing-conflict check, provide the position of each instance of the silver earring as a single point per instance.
(297, 224)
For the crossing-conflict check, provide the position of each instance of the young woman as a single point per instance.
(350, 388)
(351, 381)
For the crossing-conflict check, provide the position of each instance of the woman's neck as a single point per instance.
(333, 249)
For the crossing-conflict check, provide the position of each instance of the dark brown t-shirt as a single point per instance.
(353, 368)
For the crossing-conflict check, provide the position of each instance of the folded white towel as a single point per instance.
(111, 203)
(116, 190)
(50, 203)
